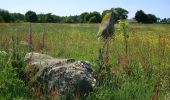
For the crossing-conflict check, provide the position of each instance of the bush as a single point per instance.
(10, 85)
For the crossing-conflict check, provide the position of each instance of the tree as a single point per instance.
(120, 13)
(17, 17)
(49, 18)
(158, 20)
(168, 20)
(31, 16)
(165, 21)
(93, 14)
(87, 16)
(5, 15)
(151, 18)
(82, 16)
(141, 17)
(1, 19)
(41, 18)
(75, 18)
(57, 19)
(93, 19)
(69, 20)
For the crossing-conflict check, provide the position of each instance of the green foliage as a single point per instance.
(141, 17)
(41, 18)
(17, 17)
(68, 20)
(85, 17)
(93, 20)
(17, 62)
(120, 13)
(31, 16)
(151, 18)
(49, 18)
(123, 28)
(95, 17)
(165, 21)
(121, 86)
(5, 16)
(10, 85)
(82, 17)
(1, 19)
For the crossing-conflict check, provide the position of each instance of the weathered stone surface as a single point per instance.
(106, 29)
(67, 75)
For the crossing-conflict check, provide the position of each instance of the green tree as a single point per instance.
(168, 21)
(41, 18)
(56, 19)
(93, 19)
(1, 19)
(165, 21)
(120, 13)
(151, 18)
(69, 20)
(93, 15)
(31, 16)
(49, 18)
(141, 17)
(75, 18)
(158, 20)
(82, 16)
(5, 16)
(17, 17)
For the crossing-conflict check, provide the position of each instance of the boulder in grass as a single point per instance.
(66, 75)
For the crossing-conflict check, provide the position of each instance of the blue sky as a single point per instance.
(161, 8)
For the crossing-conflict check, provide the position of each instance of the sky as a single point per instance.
(160, 8)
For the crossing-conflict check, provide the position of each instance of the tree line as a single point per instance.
(142, 17)
(85, 17)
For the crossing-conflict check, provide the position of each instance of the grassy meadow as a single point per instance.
(143, 74)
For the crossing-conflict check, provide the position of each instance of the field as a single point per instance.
(142, 74)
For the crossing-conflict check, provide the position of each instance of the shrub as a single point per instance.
(10, 85)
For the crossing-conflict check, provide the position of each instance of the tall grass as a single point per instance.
(145, 78)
